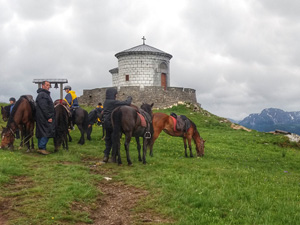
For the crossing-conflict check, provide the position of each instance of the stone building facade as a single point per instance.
(142, 66)
(143, 72)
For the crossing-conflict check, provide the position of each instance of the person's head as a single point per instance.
(111, 93)
(67, 88)
(12, 100)
(46, 85)
(99, 104)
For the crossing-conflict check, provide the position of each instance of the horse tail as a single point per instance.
(116, 119)
(85, 121)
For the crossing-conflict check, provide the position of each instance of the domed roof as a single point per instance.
(143, 49)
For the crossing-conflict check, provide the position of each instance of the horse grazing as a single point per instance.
(93, 117)
(80, 118)
(5, 112)
(61, 125)
(166, 123)
(22, 117)
(132, 122)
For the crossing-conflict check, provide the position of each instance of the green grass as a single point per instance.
(242, 179)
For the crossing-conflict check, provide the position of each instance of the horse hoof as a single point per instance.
(28, 150)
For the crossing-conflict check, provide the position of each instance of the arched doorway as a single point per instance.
(164, 80)
(164, 70)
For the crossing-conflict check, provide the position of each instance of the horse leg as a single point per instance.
(145, 141)
(190, 147)
(127, 142)
(27, 137)
(89, 131)
(103, 131)
(22, 129)
(155, 135)
(81, 140)
(138, 147)
(70, 138)
(31, 135)
(185, 147)
(65, 140)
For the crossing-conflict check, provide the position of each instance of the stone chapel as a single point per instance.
(143, 72)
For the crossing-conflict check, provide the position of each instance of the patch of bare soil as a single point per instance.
(118, 203)
(9, 202)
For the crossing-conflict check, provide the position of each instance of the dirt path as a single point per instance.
(117, 205)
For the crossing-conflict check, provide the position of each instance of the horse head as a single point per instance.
(200, 147)
(7, 138)
(147, 108)
(5, 113)
(199, 141)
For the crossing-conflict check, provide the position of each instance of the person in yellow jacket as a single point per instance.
(71, 97)
(72, 101)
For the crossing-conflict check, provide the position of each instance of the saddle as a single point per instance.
(146, 122)
(181, 123)
(64, 104)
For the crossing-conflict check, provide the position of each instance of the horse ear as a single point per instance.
(152, 105)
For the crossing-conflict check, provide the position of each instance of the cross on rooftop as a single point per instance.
(144, 39)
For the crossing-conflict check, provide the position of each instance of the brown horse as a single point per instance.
(164, 122)
(127, 120)
(22, 117)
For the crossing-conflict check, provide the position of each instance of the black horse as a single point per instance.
(133, 123)
(93, 117)
(80, 118)
(61, 126)
(5, 112)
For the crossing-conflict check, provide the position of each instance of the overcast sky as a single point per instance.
(240, 56)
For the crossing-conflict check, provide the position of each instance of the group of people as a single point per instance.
(45, 114)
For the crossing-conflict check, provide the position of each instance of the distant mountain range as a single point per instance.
(272, 119)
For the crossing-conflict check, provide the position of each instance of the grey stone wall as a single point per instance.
(148, 94)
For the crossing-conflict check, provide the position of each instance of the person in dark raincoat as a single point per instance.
(45, 116)
(109, 105)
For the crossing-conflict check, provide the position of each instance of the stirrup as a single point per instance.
(147, 135)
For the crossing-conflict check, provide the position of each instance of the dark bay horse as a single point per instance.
(164, 122)
(61, 126)
(80, 118)
(93, 117)
(5, 112)
(22, 117)
(127, 120)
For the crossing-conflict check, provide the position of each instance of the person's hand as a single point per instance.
(50, 120)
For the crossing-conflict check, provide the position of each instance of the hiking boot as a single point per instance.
(43, 152)
(105, 159)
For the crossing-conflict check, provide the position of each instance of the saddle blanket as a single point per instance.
(143, 121)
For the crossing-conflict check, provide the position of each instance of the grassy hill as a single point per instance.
(244, 178)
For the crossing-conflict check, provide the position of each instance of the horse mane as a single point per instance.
(13, 112)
